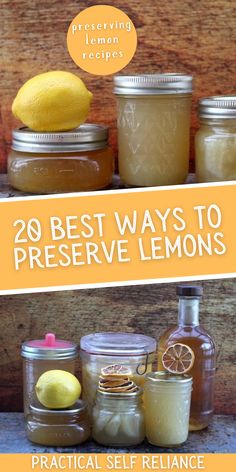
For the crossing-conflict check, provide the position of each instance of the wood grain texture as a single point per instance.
(196, 37)
(145, 309)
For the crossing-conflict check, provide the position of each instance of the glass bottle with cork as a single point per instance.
(191, 333)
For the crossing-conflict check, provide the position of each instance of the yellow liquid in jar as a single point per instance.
(60, 172)
(153, 139)
(215, 146)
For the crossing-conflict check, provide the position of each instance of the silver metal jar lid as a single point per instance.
(217, 107)
(87, 137)
(153, 84)
(49, 348)
(167, 378)
(78, 407)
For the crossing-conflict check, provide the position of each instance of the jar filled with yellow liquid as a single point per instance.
(153, 128)
(54, 162)
(215, 142)
(167, 406)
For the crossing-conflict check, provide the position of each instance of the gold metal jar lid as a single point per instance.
(128, 396)
(153, 84)
(218, 107)
(87, 137)
(168, 378)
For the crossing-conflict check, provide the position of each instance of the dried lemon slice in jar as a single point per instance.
(178, 358)
(116, 369)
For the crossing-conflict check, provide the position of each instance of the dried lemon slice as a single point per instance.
(116, 369)
(178, 358)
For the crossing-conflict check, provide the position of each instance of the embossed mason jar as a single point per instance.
(167, 400)
(153, 128)
(215, 141)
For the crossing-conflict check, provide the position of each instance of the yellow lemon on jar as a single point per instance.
(57, 389)
(53, 101)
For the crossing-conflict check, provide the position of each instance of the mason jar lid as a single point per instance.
(168, 378)
(87, 137)
(120, 396)
(118, 344)
(78, 407)
(153, 84)
(189, 290)
(217, 107)
(49, 348)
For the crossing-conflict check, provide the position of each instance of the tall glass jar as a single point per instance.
(215, 141)
(153, 128)
(167, 406)
(69, 161)
(40, 356)
(118, 419)
(58, 427)
(135, 352)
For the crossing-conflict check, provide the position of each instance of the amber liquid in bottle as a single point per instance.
(188, 331)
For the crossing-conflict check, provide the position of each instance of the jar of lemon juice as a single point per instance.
(153, 128)
(54, 162)
(39, 356)
(167, 400)
(215, 142)
(124, 353)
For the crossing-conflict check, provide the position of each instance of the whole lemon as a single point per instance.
(57, 389)
(53, 101)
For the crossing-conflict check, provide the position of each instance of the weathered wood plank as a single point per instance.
(182, 36)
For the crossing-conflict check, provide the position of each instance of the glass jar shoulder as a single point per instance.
(184, 334)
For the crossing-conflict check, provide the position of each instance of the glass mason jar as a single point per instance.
(136, 352)
(153, 128)
(39, 356)
(118, 419)
(70, 161)
(167, 400)
(215, 141)
(58, 427)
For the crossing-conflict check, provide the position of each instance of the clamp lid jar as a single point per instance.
(129, 353)
(66, 161)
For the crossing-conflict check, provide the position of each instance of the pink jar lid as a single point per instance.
(49, 348)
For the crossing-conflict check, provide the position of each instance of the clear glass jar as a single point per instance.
(58, 427)
(135, 351)
(118, 419)
(215, 141)
(153, 128)
(167, 406)
(71, 161)
(39, 356)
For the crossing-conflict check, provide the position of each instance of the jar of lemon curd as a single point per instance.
(70, 161)
(153, 128)
(215, 142)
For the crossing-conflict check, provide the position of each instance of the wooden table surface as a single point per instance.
(219, 437)
(194, 37)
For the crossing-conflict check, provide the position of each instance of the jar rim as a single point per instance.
(29, 351)
(165, 377)
(120, 395)
(87, 137)
(153, 84)
(118, 344)
(221, 106)
(78, 407)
